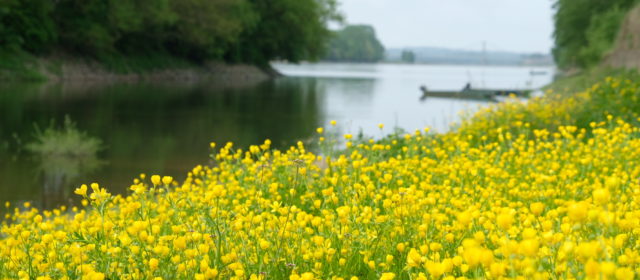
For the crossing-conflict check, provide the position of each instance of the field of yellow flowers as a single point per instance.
(521, 201)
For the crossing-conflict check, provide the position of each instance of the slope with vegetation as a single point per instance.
(585, 30)
(626, 49)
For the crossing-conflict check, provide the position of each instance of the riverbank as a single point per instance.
(518, 190)
(23, 67)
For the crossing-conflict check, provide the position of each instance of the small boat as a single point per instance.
(473, 93)
(537, 72)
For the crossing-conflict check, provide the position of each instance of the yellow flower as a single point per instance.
(592, 269)
(537, 208)
(153, 264)
(82, 190)
(264, 244)
(578, 211)
(307, 276)
(601, 196)
(180, 243)
(497, 270)
(155, 180)
(504, 220)
(436, 269)
(529, 247)
(624, 273)
(414, 259)
(388, 276)
(167, 180)
(96, 276)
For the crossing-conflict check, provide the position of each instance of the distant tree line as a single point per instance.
(355, 43)
(248, 31)
(408, 56)
(586, 29)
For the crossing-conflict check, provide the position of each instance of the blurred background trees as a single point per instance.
(355, 43)
(249, 31)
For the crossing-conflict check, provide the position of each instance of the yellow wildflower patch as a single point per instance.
(532, 203)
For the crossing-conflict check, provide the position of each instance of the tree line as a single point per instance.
(237, 31)
(585, 30)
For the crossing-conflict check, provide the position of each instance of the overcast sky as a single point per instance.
(506, 25)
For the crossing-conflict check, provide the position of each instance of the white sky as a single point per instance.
(505, 25)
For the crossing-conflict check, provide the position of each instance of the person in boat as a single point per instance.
(467, 87)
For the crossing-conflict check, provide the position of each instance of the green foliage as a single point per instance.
(250, 31)
(205, 28)
(586, 29)
(292, 30)
(601, 35)
(26, 24)
(357, 43)
(569, 85)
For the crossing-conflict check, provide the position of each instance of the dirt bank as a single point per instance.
(68, 69)
(626, 50)
(218, 72)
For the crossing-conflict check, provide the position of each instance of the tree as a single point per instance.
(292, 30)
(355, 43)
(204, 29)
(248, 31)
(27, 24)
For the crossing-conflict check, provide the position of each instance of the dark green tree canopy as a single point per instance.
(355, 43)
(250, 31)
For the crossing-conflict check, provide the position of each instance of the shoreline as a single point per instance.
(66, 69)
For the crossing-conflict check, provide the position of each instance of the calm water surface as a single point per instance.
(166, 128)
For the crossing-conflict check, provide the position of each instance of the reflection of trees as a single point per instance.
(63, 154)
(159, 128)
(57, 175)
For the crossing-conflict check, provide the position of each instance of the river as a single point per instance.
(166, 128)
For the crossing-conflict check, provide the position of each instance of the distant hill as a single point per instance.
(432, 55)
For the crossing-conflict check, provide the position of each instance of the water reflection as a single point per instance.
(62, 153)
(146, 128)
(58, 173)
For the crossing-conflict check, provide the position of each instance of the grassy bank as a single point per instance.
(546, 189)
(574, 101)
